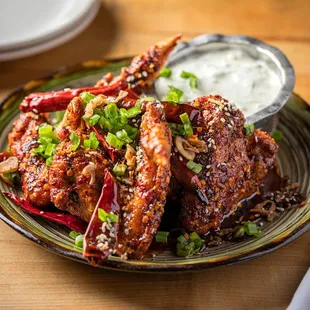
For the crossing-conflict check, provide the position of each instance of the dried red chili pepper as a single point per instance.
(68, 220)
(101, 237)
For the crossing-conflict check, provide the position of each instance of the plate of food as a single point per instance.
(188, 156)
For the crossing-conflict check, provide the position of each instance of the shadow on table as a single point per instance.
(93, 43)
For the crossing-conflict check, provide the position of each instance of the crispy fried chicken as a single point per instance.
(34, 172)
(232, 167)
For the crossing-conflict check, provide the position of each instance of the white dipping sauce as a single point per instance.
(231, 72)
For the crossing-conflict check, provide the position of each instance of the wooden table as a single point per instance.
(31, 277)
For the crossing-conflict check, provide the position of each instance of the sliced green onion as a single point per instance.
(251, 229)
(87, 144)
(193, 236)
(182, 239)
(40, 149)
(92, 121)
(193, 80)
(185, 250)
(131, 131)
(177, 129)
(123, 136)
(45, 130)
(49, 161)
(111, 111)
(192, 245)
(104, 216)
(162, 236)
(105, 124)
(174, 94)
(79, 240)
(187, 124)
(277, 135)
(75, 139)
(119, 169)
(73, 234)
(249, 129)
(50, 149)
(114, 141)
(94, 141)
(133, 112)
(239, 232)
(45, 141)
(196, 168)
(165, 72)
(247, 228)
(87, 96)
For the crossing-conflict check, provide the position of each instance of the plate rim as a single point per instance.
(133, 265)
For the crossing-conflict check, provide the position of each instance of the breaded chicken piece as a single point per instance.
(143, 206)
(76, 176)
(232, 168)
(34, 172)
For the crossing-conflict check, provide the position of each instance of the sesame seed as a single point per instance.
(181, 158)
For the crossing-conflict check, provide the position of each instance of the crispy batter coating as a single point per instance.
(143, 70)
(143, 209)
(76, 177)
(34, 172)
(233, 167)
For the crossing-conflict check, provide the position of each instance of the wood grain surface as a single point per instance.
(33, 278)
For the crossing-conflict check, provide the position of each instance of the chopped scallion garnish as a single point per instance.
(248, 228)
(189, 244)
(79, 240)
(119, 169)
(193, 80)
(73, 234)
(47, 143)
(177, 129)
(87, 97)
(131, 113)
(165, 72)
(75, 139)
(196, 168)
(104, 216)
(162, 236)
(187, 124)
(92, 121)
(249, 129)
(92, 142)
(114, 141)
(174, 94)
(277, 135)
(123, 136)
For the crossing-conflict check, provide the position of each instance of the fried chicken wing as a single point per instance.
(232, 166)
(76, 176)
(144, 69)
(140, 74)
(34, 172)
(143, 206)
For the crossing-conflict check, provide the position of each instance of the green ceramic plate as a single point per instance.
(293, 161)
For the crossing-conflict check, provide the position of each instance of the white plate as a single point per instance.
(24, 23)
(70, 33)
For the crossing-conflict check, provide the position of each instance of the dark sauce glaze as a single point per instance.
(271, 187)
